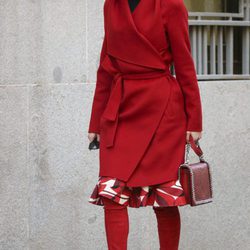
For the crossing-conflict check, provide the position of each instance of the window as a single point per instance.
(220, 38)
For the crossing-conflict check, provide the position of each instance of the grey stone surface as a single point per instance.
(95, 36)
(42, 41)
(56, 153)
(14, 172)
(49, 54)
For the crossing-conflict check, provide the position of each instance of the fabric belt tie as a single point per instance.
(111, 111)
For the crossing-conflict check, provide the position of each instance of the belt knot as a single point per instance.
(111, 111)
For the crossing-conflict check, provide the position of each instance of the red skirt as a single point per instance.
(160, 195)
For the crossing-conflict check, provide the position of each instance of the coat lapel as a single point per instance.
(125, 41)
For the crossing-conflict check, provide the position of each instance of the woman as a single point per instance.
(142, 115)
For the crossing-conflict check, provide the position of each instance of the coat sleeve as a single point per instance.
(102, 87)
(175, 17)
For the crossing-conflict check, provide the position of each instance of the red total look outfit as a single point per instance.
(142, 113)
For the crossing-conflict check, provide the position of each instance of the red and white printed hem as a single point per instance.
(160, 195)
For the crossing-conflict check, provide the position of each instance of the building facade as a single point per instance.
(220, 38)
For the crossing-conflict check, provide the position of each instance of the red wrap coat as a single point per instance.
(141, 110)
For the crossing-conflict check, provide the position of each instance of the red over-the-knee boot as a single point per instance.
(116, 224)
(169, 225)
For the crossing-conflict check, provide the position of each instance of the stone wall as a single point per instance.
(49, 53)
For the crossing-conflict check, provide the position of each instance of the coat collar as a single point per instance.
(124, 39)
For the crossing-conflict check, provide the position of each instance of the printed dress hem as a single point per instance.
(165, 194)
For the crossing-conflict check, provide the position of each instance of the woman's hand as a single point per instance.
(92, 136)
(196, 135)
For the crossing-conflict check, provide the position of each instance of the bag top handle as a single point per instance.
(196, 147)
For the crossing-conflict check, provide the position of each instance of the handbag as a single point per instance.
(195, 178)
